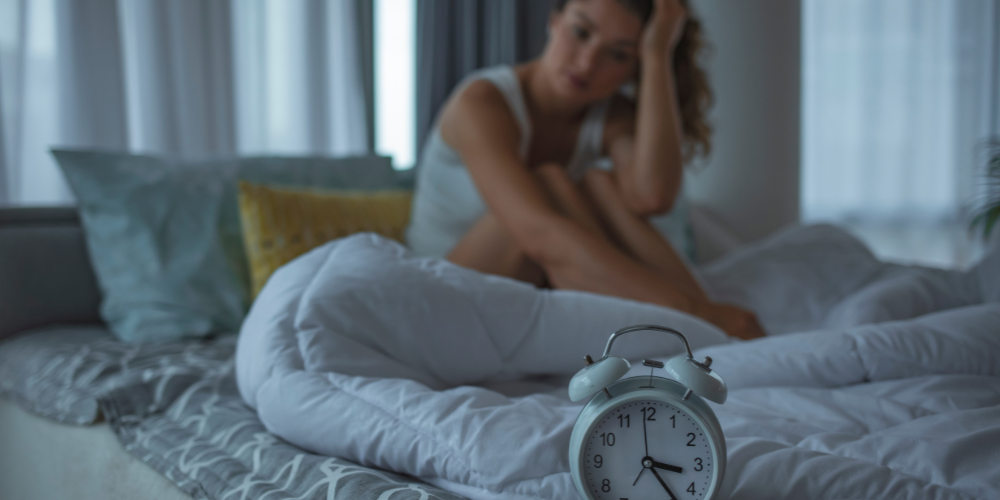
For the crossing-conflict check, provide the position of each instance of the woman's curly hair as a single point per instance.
(694, 95)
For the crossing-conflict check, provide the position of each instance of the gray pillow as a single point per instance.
(164, 234)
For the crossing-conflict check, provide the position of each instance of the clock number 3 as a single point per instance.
(697, 460)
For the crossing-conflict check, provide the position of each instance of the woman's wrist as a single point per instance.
(657, 60)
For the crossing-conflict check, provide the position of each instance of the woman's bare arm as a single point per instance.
(479, 126)
(648, 157)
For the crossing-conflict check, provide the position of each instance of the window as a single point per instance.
(896, 104)
(395, 81)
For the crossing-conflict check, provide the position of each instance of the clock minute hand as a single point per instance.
(645, 438)
(671, 468)
(664, 484)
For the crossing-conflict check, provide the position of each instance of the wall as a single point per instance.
(751, 181)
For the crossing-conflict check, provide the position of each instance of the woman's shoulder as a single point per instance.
(478, 92)
(477, 106)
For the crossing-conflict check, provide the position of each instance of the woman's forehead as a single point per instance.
(610, 18)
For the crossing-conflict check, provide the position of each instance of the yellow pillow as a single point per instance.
(281, 224)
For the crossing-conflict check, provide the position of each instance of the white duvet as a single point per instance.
(891, 388)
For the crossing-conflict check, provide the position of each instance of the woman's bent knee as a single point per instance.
(553, 176)
(599, 181)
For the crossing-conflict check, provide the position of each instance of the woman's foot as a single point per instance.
(735, 321)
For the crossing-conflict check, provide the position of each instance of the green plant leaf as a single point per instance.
(988, 212)
(988, 218)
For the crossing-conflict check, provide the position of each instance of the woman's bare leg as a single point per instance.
(569, 200)
(488, 247)
(646, 244)
(637, 235)
(637, 280)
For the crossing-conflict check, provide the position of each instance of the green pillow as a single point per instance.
(164, 234)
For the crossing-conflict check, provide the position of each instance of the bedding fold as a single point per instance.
(363, 351)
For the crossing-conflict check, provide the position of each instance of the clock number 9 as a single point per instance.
(606, 485)
(608, 439)
(697, 460)
(599, 460)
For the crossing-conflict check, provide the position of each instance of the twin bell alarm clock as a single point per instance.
(647, 437)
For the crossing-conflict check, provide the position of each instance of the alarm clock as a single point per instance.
(647, 437)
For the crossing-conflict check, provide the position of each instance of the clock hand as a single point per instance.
(660, 479)
(645, 440)
(637, 477)
(671, 468)
(646, 464)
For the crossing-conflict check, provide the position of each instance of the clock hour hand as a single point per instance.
(671, 468)
(660, 479)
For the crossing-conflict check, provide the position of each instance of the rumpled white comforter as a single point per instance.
(891, 390)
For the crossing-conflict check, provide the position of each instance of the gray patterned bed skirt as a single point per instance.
(176, 407)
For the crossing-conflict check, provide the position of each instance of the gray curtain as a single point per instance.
(455, 37)
(179, 77)
(365, 19)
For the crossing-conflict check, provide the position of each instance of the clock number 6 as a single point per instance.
(609, 439)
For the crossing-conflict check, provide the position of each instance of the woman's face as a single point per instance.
(593, 49)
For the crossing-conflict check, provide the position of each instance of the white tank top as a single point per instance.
(447, 203)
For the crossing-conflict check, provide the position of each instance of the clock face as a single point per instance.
(647, 450)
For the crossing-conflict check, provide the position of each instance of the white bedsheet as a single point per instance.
(361, 351)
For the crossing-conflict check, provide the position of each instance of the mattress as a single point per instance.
(172, 426)
(43, 459)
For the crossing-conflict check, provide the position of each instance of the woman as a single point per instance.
(504, 187)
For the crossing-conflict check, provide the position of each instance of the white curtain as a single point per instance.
(898, 99)
(182, 77)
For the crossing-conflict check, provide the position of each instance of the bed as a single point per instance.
(83, 414)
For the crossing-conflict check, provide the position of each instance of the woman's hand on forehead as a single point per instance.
(664, 29)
